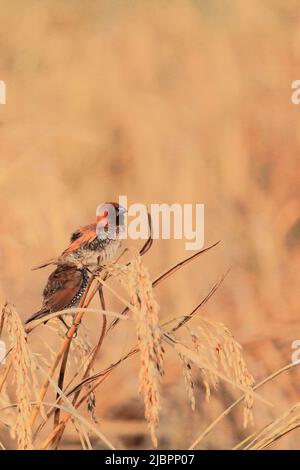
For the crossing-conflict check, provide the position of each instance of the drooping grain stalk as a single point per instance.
(188, 380)
(214, 341)
(228, 410)
(120, 271)
(149, 338)
(23, 367)
(144, 310)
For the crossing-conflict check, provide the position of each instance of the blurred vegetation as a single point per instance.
(182, 101)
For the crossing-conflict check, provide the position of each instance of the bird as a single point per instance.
(91, 247)
(97, 244)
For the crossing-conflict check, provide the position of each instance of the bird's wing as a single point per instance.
(62, 287)
(81, 237)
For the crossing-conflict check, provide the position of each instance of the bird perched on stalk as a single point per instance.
(97, 244)
(91, 247)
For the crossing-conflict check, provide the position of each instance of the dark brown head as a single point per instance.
(110, 219)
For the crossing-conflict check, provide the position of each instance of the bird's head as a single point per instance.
(110, 218)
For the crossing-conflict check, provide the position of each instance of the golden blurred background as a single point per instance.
(163, 101)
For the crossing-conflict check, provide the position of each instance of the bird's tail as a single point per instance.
(45, 264)
(36, 316)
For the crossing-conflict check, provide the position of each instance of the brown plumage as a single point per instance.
(90, 246)
(64, 289)
(82, 236)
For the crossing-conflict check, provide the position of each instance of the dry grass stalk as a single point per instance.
(202, 362)
(266, 436)
(80, 347)
(118, 271)
(149, 337)
(4, 397)
(24, 375)
(215, 342)
(188, 380)
(136, 280)
(72, 413)
(83, 436)
(226, 412)
(213, 350)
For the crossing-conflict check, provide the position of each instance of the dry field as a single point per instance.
(182, 101)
